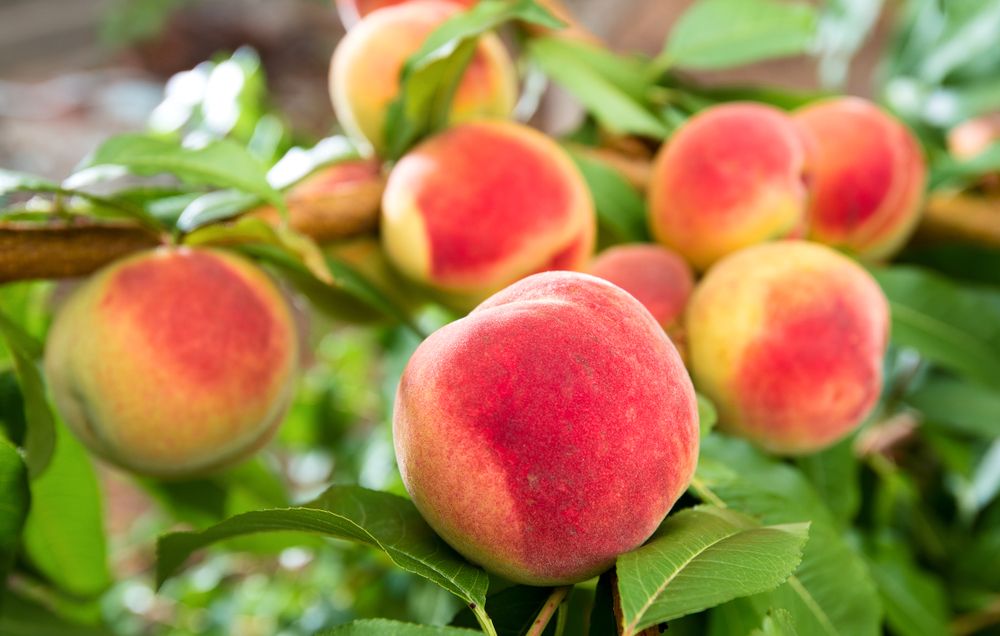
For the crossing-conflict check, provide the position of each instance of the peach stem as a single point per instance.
(545, 614)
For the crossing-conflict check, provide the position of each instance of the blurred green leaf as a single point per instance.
(914, 601)
(214, 206)
(831, 592)
(778, 622)
(387, 522)
(39, 438)
(950, 172)
(219, 163)
(955, 326)
(707, 415)
(970, 29)
(959, 407)
(834, 473)
(620, 207)
(64, 535)
(23, 617)
(431, 75)
(613, 107)
(714, 34)
(843, 27)
(382, 627)
(14, 501)
(969, 263)
(701, 557)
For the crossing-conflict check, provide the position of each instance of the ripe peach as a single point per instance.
(658, 278)
(364, 73)
(483, 204)
(867, 176)
(549, 430)
(730, 177)
(787, 338)
(174, 362)
(351, 11)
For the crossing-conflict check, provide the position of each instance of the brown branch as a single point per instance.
(636, 170)
(961, 217)
(33, 251)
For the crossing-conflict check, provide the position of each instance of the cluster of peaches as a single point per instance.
(554, 426)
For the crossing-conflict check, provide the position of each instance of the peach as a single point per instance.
(867, 176)
(730, 177)
(658, 278)
(174, 362)
(366, 67)
(484, 204)
(351, 11)
(787, 338)
(548, 431)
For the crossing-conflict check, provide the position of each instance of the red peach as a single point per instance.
(366, 66)
(484, 204)
(730, 177)
(787, 338)
(174, 362)
(867, 177)
(548, 431)
(352, 11)
(658, 278)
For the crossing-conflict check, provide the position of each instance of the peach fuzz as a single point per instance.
(484, 204)
(174, 362)
(352, 11)
(366, 67)
(658, 278)
(867, 177)
(787, 338)
(730, 177)
(549, 431)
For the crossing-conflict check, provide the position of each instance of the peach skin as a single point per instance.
(787, 338)
(549, 431)
(352, 11)
(366, 66)
(867, 177)
(730, 177)
(482, 205)
(174, 362)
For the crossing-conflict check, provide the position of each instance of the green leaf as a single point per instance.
(702, 557)
(959, 407)
(383, 627)
(915, 602)
(950, 172)
(221, 163)
(614, 108)
(14, 501)
(970, 31)
(707, 415)
(778, 622)
(831, 592)
(835, 474)
(714, 34)
(213, 207)
(957, 327)
(431, 75)
(968, 263)
(24, 617)
(620, 207)
(387, 522)
(64, 535)
(40, 434)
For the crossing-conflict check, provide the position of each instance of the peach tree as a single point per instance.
(720, 359)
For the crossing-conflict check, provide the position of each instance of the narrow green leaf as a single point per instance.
(431, 75)
(835, 474)
(620, 208)
(959, 407)
(384, 627)
(614, 108)
(14, 502)
(702, 557)
(64, 535)
(714, 34)
(915, 602)
(222, 163)
(955, 326)
(381, 520)
(39, 439)
(831, 593)
(213, 207)
(707, 415)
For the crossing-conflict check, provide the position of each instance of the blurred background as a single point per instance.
(73, 72)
